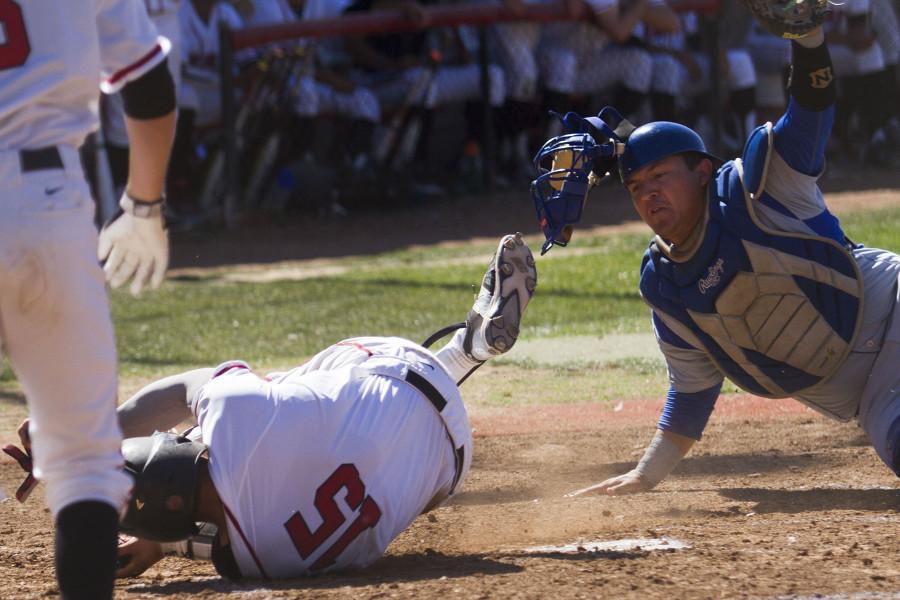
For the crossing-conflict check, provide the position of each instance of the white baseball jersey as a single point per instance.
(56, 328)
(53, 60)
(269, 12)
(321, 467)
(200, 39)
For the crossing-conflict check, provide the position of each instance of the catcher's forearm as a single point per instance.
(662, 455)
(812, 81)
(150, 144)
(162, 404)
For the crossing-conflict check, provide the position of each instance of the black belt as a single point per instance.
(40, 159)
(439, 402)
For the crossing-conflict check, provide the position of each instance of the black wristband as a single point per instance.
(812, 81)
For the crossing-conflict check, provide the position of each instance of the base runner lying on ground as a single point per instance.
(317, 468)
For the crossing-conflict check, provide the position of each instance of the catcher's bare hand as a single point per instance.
(134, 247)
(136, 556)
(630, 483)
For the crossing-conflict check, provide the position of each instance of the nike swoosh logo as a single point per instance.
(139, 504)
(51, 191)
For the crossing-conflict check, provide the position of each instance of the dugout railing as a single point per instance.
(480, 16)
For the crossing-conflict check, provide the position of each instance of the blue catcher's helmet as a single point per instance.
(565, 165)
(655, 141)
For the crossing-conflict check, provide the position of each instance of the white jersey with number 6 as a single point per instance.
(53, 57)
(321, 467)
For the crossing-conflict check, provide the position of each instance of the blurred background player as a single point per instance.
(324, 90)
(579, 60)
(439, 62)
(682, 74)
(865, 108)
(56, 327)
(200, 95)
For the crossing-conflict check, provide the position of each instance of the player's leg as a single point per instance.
(516, 45)
(558, 65)
(492, 325)
(668, 84)
(626, 66)
(742, 86)
(879, 409)
(59, 338)
(363, 110)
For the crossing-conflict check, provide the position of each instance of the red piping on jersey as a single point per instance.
(357, 346)
(224, 370)
(118, 75)
(246, 543)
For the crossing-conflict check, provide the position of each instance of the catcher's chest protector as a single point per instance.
(777, 312)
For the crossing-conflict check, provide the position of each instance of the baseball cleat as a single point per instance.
(492, 325)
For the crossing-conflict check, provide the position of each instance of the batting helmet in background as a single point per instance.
(163, 500)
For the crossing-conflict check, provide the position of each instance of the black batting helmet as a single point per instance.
(163, 500)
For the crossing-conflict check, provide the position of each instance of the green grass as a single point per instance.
(202, 321)
(199, 322)
(875, 229)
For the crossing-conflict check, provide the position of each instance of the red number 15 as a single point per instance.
(346, 476)
(14, 46)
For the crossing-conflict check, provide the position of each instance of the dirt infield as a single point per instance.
(775, 502)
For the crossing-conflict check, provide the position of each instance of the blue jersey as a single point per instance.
(773, 296)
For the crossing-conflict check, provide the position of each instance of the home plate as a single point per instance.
(642, 544)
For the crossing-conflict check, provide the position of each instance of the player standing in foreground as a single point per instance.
(749, 276)
(320, 467)
(56, 329)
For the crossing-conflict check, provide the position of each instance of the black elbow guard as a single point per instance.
(150, 96)
(812, 81)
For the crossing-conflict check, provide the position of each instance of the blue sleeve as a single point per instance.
(687, 413)
(801, 135)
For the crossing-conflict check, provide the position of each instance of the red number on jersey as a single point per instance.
(347, 477)
(14, 46)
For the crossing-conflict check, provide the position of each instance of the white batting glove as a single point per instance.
(135, 244)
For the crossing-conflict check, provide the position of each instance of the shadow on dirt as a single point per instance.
(589, 555)
(386, 571)
(816, 499)
(557, 479)
(746, 464)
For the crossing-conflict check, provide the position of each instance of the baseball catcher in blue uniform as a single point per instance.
(749, 276)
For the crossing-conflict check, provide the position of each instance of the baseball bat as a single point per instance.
(387, 149)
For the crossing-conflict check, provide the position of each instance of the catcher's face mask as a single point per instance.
(568, 166)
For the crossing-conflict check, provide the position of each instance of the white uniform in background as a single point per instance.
(578, 58)
(315, 98)
(200, 59)
(849, 62)
(323, 466)
(56, 329)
